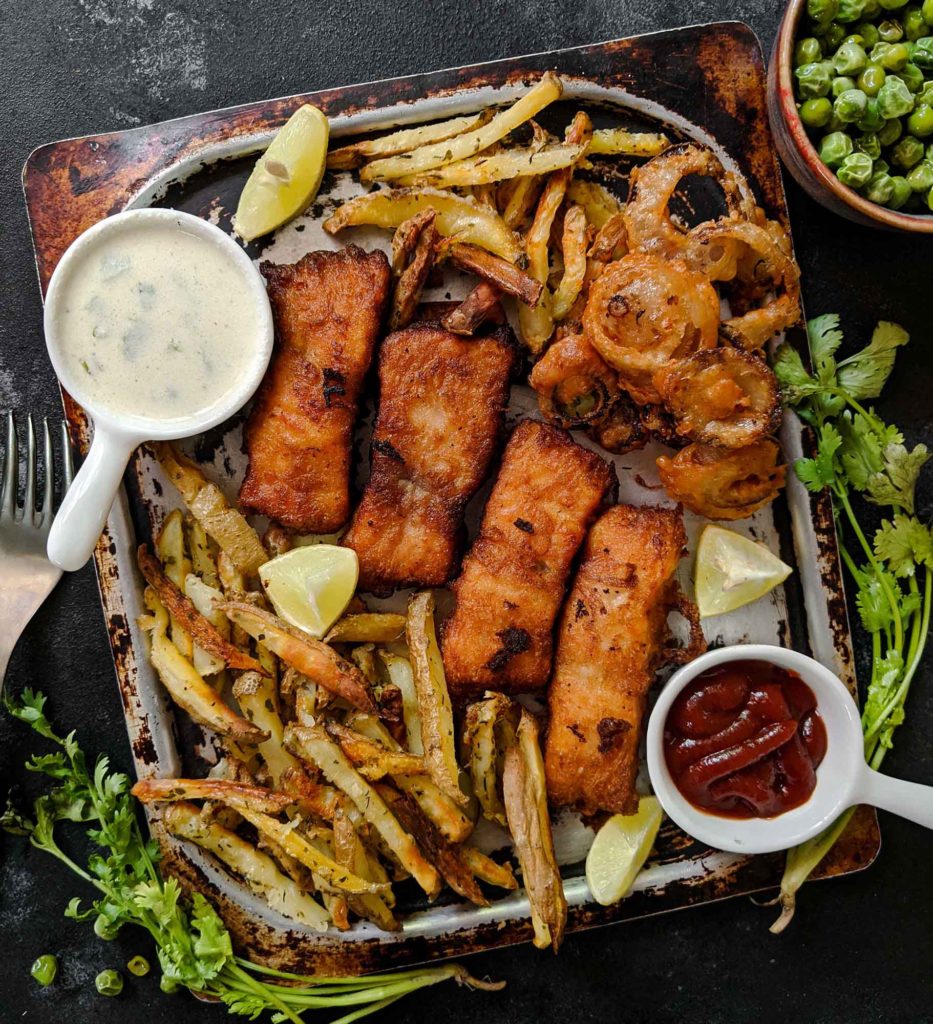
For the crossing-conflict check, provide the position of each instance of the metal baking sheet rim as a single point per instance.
(452, 930)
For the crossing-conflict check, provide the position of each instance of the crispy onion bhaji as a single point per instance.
(610, 642)
(328, 309)
(512, 584)
(724, 483)
(574, 383)
(443, 400)
(644, 311)
(721, 396)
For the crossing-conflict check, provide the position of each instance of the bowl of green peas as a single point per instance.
(850, 96)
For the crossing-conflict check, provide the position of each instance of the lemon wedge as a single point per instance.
(732, 570)
(620, 849)
(286, 177)
(310, 587)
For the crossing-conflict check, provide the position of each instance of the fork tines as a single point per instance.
(9, 472)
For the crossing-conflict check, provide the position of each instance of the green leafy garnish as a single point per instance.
(192, 943)
(857, 453)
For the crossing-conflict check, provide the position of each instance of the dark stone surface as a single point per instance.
(860, 949)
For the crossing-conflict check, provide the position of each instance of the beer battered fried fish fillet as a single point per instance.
(441, 410)
(547, 493)
(608, 647)
(328, 308)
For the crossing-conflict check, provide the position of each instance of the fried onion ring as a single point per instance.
(724, 483)
(574, 384)
(721, 396)
(648, 222)
(645, 310)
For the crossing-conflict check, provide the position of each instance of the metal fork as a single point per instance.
(27, 577)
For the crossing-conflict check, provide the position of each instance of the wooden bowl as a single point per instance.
(799, 154)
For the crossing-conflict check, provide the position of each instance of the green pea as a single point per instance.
(920, 122)
(920, 178)
(855, 170)
(813, 80)
(850, 10)
(816, 113)
(914, 25)
(871, 120)
(850, 106)
(890, 132)
(892, 5)
(879, 188)
(907, 152)
(900, 193)
(44, 969)
(139, 966)
(807, 51)
(926, 9)
(109, 983)
(923, 53)
(849, 59)
(870, 80)
(911, 76)
(891, 31)
(834, 148)
(869, 144)
(834, 35)
(894, 98)
(869, 33)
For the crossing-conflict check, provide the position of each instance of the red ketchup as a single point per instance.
(744, 740)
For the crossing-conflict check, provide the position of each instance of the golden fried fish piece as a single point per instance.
(608, 648)
(443, 399)
(547, 493)
(328, 309)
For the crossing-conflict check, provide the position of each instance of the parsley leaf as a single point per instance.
(864, 374)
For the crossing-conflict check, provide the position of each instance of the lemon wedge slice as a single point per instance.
(310, 587)
(286, 177)
(732, 570)
(620, 849)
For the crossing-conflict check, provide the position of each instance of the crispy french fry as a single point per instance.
(487, 168)
(371, 759)
(522, 201)
(457, 215)
(574, 252)
(257, 869)
(186, 687)
(317, 747)
(475, 309)
(488, 870)
(311, 798)
(356, 154)
(183, 611)
(311, 657)
(437, 718)
(618, 142)
(506, 276)
(302, 849)
(170, 547)
(206, 502)
(349, 851)
(411, 280)
(256, 695)
(525, 795)
(470, 143)
(443, 855)
(450, 819)
(153, 791)
(598, 202)
(480, 738)
(366, 628)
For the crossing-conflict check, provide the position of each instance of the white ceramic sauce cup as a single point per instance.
(87, 504)
(843, 779)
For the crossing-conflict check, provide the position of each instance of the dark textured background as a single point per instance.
(861, 948)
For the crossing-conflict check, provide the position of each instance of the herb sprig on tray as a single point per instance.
(859, 454)
(193, 945)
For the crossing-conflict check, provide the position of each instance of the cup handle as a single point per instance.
(81, 518)
(909, 800)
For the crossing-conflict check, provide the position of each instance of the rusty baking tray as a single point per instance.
(704, 82)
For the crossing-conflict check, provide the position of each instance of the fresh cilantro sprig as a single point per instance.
(857, 453)
(193, 945)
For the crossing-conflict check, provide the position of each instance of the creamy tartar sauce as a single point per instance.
(156, 322)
